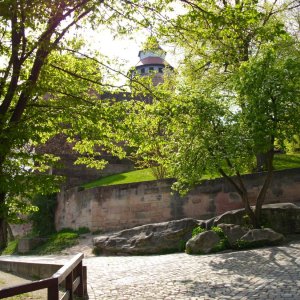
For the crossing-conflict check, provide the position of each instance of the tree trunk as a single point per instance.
(3, 208)
(10, 233)
(263, 192)
(3, 233)
(249, 211)
(260, 162)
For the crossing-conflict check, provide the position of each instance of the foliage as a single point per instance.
(12, 248)
(181, 246)
(235, 99)
(281, 162)
(286, 161)
(56, 243)
(223, 243)
(44, 218)
(197, 231)
(247, 222)
(83, 230)
(219, 231)
(294, 145)
(48, 86)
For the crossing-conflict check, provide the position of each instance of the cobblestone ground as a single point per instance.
(268, 273)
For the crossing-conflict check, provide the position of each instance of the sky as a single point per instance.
(123, 50)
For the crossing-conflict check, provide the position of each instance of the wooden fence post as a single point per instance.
(53, 292)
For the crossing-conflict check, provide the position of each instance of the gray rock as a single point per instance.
(156, 238)
(265, 236)
(202, 243)
(233, 232)
(281, 217)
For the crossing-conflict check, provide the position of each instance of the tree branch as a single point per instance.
(16, 64)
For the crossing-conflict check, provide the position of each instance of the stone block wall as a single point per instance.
(124, 206)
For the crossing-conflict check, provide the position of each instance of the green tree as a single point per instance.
(44, 90)
(238, 93)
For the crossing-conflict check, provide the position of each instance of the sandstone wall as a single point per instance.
(128, 205)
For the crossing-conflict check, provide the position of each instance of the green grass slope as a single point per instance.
(281, 162)
(128, 177)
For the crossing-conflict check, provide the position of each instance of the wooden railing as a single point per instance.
(71, 273)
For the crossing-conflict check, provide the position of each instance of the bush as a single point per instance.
(80, 230)
(197, 230)
(83, 230)
(43, 219)
(11, 248)
(219, 231)
(57, 242)
(223, 244)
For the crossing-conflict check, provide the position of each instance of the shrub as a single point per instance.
(83, 230)
(223, 244)
(11, 248)
(219, 231)
(197, 230)
(57, 242)
(43, 219)
(181, 245)
(247, 222)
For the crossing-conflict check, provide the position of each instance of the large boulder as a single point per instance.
(233, 232)
(202, 243)
(281, 217)
(261, 237)
(156, 238)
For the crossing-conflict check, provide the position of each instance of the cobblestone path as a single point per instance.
(268, 273)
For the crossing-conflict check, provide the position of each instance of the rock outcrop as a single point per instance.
(233, 232)
(172, 236)
(156, 238)
(281, 217)
(265, 236)
(202, 243)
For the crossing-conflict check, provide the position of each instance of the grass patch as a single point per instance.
(12, 248)
(56, 243)
(281, 162)
(128, 177)
(286, 161)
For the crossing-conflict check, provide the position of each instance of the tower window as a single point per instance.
(160, 70)
(143, 71)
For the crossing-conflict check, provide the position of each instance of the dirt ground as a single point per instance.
(9, 280)
(84, 246)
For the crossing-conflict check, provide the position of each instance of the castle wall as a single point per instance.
(128, 205)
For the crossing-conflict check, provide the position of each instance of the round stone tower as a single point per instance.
(152, 63)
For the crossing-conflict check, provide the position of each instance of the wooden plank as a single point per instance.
(63, 272)
(69, 285)
(27, 287)
(76, 283)
(66, 296)
(79, 291)
(53, 292)
(84, 282)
